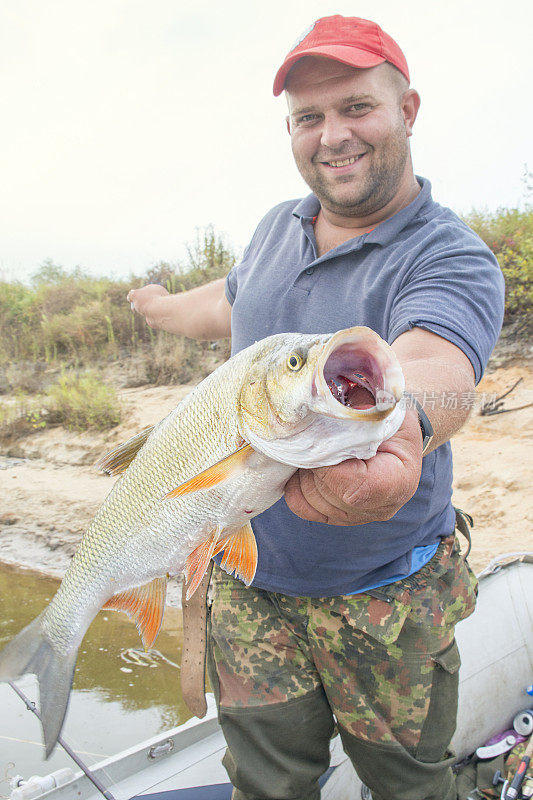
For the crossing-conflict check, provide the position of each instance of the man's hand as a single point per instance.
(356, 492)
(142, 301)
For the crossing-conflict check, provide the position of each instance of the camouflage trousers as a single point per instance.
(382, 664)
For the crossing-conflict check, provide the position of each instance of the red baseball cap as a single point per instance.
(351, 40)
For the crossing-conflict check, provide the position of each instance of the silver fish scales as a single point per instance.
(190, 485)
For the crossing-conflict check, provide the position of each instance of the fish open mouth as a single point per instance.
(351, 386)
(359, 372)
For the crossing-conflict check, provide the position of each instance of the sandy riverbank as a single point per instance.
(50, 492)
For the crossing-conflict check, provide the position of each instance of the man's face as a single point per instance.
(348, 133)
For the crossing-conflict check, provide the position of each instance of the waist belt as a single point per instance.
(463, 523)
(194, 646)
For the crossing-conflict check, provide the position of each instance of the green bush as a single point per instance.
(78, 402)
(19, 324)
(509, 234)
(21, 419)
(82, 402)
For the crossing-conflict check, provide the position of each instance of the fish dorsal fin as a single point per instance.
(119, 459)
(198, 561)
(240, 553)
(145, 605)
(223, 470)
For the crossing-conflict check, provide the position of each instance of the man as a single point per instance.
(359, 582)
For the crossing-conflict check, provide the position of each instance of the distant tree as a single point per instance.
(55, 274)
(527, 182)
(162, 272)
(210, 254)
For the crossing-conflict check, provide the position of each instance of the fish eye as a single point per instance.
(295, 362)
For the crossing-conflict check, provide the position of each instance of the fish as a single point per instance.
(189, 486)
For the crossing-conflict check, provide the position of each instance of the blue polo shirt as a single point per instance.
(424, 268)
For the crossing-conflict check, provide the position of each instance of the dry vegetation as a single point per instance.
(69, 340)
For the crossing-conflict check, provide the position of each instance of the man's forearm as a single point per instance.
(442, 381)
(201, 313)
(447, 408)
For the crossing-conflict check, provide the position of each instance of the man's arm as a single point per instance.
(435, 368)
(356, 492)
(201, 313)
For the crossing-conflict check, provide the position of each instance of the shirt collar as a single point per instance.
(386, 231)
(307, 208)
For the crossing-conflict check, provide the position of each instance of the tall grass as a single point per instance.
(71, 316)
(175, 359)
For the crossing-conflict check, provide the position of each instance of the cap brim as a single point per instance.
(346, 55)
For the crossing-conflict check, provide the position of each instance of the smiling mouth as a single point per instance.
(345, 162)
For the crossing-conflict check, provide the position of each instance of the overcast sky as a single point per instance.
(126, 124)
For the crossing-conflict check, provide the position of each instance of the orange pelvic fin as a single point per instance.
(145, 605)
(240, 553)
(198, 561)
(222, 471)
(119, 459)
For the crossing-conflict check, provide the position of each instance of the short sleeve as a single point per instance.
(456, 292)
(232, 278)
(230, 287)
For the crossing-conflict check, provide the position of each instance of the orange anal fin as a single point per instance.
(222, 471)
(198, 561)
(119, 459)
(145, 604)
(240, 553)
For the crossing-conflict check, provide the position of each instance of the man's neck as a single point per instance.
(332, 229)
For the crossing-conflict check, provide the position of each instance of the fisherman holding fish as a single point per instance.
(359, 581)
(347, 607)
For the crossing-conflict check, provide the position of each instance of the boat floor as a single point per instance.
(194, 751)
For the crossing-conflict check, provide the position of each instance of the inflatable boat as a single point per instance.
(496, 645)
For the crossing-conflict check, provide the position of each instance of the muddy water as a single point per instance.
(116, 701)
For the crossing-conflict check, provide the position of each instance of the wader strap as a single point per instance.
(194, 646)
(463, 523)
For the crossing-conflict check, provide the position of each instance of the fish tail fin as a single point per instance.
(32, 651)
